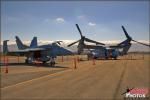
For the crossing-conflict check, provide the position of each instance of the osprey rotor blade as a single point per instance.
(73, 43)
(92, 41)
(79, 30)
(124, 30)
(141, 43)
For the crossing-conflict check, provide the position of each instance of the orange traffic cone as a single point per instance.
(93, 61)
(75, 63)
(6, 65)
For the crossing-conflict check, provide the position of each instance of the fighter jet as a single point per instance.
(34, 52)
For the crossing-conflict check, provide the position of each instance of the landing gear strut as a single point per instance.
(52, 63)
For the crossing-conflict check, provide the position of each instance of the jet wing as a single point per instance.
(35, 49)
(29, 50)
(25, 51)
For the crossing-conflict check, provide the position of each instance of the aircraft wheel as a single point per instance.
(115, 58)
(52, 63)
(44, 62)
(26, 61)
(106, 58)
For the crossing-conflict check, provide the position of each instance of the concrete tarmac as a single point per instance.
(106, 80)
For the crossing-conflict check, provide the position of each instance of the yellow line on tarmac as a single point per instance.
(35, 79)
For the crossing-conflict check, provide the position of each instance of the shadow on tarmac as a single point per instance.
(35, 65)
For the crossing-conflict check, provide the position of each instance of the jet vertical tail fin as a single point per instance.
(33, 42)
(5, 47)
(20, 44)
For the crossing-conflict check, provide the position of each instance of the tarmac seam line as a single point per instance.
(35, 79)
